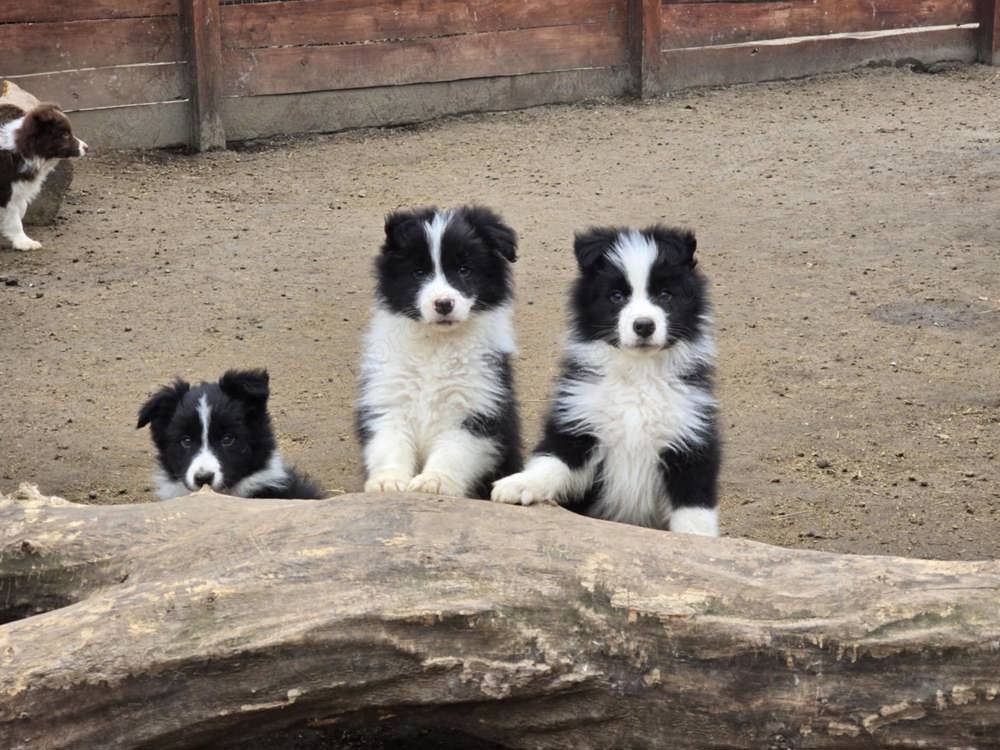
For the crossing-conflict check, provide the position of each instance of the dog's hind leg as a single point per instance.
(691, 478)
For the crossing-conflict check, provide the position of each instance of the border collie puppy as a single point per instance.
(31, 144)
(631, 433)
(436, 411)
(219, 434)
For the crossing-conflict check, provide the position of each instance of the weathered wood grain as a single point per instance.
(746, 63)
(210, 622)
(295, 69)
(698, 24)
(645, 43)
(23, 11)
(989, 32)
(48, 47)
(317, 22)
(201, 23)
(327, 111)
(109, 87)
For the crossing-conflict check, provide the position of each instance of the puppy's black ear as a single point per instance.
(252, 386)
(591, 246)
(682, 242)
(162, 404)
(400, 226)
(492, 230)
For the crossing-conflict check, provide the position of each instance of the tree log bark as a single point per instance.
(215, 622)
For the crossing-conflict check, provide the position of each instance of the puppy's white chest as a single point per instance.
(641, 408)
(636, 412)
(430, 382)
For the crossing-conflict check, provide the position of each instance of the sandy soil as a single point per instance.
(850, 226)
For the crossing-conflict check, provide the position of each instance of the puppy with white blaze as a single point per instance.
(436, 411)
(220, 434)
(31, 144)
(631, 432)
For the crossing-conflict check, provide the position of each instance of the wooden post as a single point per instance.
(989, 32)
(204, 45)
(644, 24)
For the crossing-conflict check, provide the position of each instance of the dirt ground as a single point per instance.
(850, 226)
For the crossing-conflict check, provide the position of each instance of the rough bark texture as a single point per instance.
(216, 622)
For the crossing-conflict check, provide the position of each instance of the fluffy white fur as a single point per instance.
(420, 382)
(704, 521)
(638, 404)
(273, 475)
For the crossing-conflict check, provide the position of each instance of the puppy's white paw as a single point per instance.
(24, 242)
(519, 489)
(434, 483)
(387, 481)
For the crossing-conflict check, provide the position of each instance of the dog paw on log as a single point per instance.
(212, 621)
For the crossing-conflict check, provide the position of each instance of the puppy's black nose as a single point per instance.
(444, 306)
(644, 327)
(203, 478)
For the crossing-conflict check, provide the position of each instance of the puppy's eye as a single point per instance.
(228, 440)
(664, 294)
(186, 441)
(464, 270)
(617, 296)
(419, 273)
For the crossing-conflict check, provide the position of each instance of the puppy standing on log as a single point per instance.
(31, 144)
(220, 434)
(631, 433)
(436, 411)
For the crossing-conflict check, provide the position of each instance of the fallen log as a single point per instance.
(214, 622)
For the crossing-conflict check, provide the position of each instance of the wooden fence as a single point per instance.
(147, 73)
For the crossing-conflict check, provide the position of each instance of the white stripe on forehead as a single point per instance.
(634, 254)
(435, 232)
(205, 415)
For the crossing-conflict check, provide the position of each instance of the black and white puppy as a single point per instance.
(436, 411)
(31, 144)
(631, 433)
(220, 434)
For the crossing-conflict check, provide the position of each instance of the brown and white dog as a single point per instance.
(31, 144)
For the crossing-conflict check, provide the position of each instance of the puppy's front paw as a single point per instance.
(434, 483)
(519, 489)
(24, 242)
(387, 481)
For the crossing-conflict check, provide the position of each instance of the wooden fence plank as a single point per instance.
(146, 126)
(315, 22)
(645, 43)
(297, 69)
(204, 46)
(46, 47)
(708, 23)
(746, 63)
(326, 111)
(33, 11)
(109, 87)
(989, 32)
